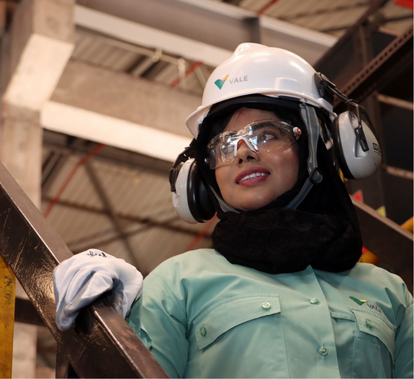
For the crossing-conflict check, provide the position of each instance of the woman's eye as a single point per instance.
(267, 136)
(226, 149)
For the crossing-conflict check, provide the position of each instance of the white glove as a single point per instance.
(81, 279)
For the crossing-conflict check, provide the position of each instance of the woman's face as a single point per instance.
(278, 168)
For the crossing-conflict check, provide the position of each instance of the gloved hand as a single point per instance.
(81, 279)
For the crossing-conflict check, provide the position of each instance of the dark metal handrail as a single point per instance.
(101, 344)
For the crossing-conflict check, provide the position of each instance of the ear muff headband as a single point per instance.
(339, 152)
(356, 145)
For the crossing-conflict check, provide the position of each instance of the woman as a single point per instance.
(281, 294)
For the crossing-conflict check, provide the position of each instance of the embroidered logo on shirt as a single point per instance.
(362, 301)
(358, 301)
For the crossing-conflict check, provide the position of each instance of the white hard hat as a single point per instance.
(256, 75)
(258, 69)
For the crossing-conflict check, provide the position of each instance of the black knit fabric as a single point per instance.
(323, 232)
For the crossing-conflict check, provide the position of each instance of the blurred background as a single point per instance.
(95, 94)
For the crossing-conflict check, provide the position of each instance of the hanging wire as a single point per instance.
(200, 235)
(267, 6)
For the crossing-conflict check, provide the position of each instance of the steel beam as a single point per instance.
(58, 143)
(384, 237)
(131, 218)
(335, 50)
(51, 166)
(199, 30)
(96, 104)
(101, 344)
(395, 102)
(110, 211)
(385, 66)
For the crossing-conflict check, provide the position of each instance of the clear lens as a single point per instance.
(260, 137)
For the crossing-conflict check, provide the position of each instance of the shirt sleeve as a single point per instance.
(404, 343)
(159, 320)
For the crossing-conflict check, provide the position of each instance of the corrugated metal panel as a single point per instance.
(80, 217)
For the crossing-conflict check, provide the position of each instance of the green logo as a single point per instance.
(358, 301)
(220, 82)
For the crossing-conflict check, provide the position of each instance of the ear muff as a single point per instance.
(356, 147)
(357, 158)
(190, 198)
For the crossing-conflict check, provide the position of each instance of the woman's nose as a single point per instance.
(245, 154)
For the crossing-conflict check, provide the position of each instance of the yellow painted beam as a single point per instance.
(408, 225)
(7, 301)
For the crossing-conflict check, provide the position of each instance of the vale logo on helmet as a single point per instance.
(220, 82)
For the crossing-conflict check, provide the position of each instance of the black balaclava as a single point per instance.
(322, 232)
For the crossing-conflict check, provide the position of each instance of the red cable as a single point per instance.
(200, 235)
(266, 7)
(80, 163)
(196, 65)
(405, 3)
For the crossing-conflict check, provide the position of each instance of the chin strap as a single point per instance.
(310, 119)
(223, 205)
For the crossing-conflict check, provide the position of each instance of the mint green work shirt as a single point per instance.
(202, 316)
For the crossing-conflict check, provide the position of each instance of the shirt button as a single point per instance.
(314, 300)
(369, 323)
(266, 305)
(323, 351)
(203, 331)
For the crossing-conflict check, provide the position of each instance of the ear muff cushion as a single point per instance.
(197, 195)
(336, 134)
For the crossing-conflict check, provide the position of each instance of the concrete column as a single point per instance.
(21, 144)
(34, 53)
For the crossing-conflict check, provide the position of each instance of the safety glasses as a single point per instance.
(260, 137)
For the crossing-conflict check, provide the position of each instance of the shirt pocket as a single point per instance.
(377, 326)
(230, 313)
(374, 346)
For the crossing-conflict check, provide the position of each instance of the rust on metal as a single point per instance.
(7, 296)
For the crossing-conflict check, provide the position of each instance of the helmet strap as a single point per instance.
(310, 119)
(223, 205)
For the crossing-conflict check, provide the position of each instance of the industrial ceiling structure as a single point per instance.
(118, 199)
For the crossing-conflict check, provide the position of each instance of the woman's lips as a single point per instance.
(252, 176)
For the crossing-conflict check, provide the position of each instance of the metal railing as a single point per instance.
(101, 344)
